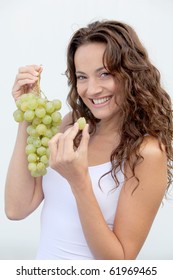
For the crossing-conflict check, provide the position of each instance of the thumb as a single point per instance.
(83, 146)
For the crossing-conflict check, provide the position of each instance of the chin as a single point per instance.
(102, 117)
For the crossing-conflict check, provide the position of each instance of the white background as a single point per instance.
(38, 31)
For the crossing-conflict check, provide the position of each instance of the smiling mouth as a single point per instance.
(101, 100)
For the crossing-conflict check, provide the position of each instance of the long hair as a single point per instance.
(147, 106)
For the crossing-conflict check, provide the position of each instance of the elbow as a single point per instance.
(126, 253)
(13, 215)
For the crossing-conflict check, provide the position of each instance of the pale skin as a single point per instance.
(135, 213)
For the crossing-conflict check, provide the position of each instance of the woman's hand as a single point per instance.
(69, 162)
(25, 80)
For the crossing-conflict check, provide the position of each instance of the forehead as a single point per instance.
(89, 53)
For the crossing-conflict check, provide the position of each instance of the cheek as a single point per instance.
(119, 96)
(80, 89)
(119, 100)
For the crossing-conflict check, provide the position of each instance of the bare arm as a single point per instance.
(23, 193)
(135, 213)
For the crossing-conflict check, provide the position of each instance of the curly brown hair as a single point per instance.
(147, 106)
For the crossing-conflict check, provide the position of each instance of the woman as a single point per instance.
(106, 183)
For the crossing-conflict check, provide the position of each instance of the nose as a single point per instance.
(93, 87)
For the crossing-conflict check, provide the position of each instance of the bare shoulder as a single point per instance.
(154, 163)
(141, 197)
(66, 122)
(152, 168)
(151, 148)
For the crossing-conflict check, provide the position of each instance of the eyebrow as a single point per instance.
(97, 70)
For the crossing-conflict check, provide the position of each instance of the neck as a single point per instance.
(108, 127)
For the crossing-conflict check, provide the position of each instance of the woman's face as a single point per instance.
(101, 92)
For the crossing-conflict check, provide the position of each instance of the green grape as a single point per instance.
(18, 103)
(54, 130)
(29, 129)
(29, 115)
(24, 97)
(30, 96)
(24, 106)
(18, 115)
(32, 166)
(50, 107)
(32, 157)
(37, 142)
(32, 104)
(41, 129)
(35, 173)
(36, 121)
(38, 173)
(57, 104)
(41, 151)
(44, 141)
(40, 112)
(43, 172)
(41, 102)
(32, 131)
(47, 119)
(56, 117)
(40, 166)
(30, 149)
(44, 159)
(49, 133)
(30, 139)
(81, 122)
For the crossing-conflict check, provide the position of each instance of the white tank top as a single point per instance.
(62, 236)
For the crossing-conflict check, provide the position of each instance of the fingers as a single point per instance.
(26, 78)
(61, 146)
(23, 79)
(33, 70)
(53, 148)
(68, 139)
(83, 147)
(28, 74)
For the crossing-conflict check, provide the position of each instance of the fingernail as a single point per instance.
(36, 73)
(76, 125)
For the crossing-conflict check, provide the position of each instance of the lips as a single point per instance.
(100, 101)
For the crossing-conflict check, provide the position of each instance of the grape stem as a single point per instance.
(37, 90)
(43, 94)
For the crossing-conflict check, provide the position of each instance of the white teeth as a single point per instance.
(101, 100)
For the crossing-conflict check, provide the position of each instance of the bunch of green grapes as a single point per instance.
(44, 119)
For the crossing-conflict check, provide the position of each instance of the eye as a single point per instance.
(105, 74)
(80, 77)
